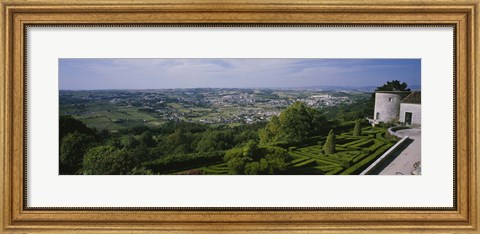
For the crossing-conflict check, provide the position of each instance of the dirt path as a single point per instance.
(404, 162)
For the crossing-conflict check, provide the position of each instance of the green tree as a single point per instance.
(250, 149)
(108, 160)
(72, 149)
(257, 160)
(295, 124)
(276, 160)
(252, 168)
(215, 141)
(244, 135)
(131, 143)
(104, 135)
(271, 131)
(141, 171)
(115, 142)
(357, 130)
(146, 139)
(237, 165)
(142, 154)
(179, 142)
(393, 85)
(68, 124)
(329, 146)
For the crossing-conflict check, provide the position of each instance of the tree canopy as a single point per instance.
(72, 149)
(108, 160)
(68, 124)
(146, 139)
(215, 140)
(257, 160)
(295, 124)
(393, 85)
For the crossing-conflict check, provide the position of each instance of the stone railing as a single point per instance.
(393, 131)
(384, 156)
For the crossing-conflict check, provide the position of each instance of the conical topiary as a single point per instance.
(357, 130)
(329, 147)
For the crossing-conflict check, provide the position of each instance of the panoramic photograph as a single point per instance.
(239, 116)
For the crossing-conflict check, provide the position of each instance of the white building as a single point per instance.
(411, 109)
(402, 107)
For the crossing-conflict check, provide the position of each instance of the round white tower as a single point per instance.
(387, 105)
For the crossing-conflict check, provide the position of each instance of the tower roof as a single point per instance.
(414, 98)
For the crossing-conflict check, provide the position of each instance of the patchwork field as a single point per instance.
(118, 109)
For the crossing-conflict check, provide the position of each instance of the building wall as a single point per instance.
(416, 110)
(388, 107)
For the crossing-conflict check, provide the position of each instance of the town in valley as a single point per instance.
(115, 109)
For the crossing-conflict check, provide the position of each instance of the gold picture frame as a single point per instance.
(18, 14)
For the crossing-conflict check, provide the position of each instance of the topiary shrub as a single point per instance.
(329, 147)
(357, 130)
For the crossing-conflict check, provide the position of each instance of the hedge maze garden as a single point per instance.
(353, 154)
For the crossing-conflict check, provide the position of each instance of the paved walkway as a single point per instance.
(404, 163)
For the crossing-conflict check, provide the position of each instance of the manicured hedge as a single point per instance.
(377, 145)
(359, 157)
(329, 161)
(379, 136)
(304, 163)
(334, 171)
(214, 170)
(298, 160)
(327, 167)
(360, 141)
(357, 150)
(183, 161)
(363, 144)
(360, 166)
(319, 157)
(222, 166)
(342, 140)
(292, 148)
(331, 158)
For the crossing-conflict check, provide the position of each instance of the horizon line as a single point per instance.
(296, 87)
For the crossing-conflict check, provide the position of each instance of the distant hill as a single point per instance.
(351, 88)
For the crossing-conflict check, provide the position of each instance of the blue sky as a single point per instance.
(87, 74)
